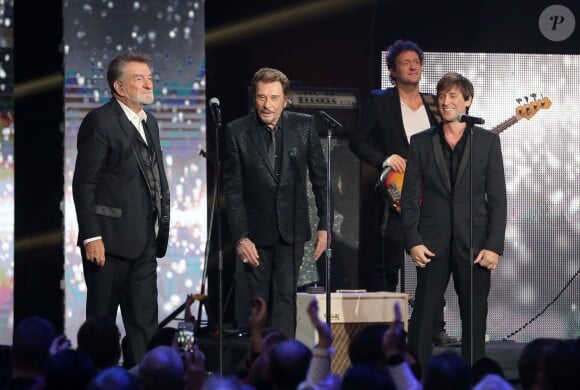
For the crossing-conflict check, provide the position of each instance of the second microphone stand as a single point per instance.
(331, 124)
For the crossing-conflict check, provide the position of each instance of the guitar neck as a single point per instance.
(505, 124)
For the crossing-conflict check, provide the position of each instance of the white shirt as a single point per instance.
(414, 121)
(136, 119)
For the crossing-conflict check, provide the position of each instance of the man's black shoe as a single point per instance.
(443, 339)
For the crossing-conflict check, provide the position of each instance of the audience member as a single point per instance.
(114, 378)
(68, 369)
(562, 365)
(288, 364)
(99, 338)
(30, 351)
(262, 340)
(493, 382)
(162, 368)
(447, 370)
(216, 382)
(367, 376)
(483, 367)
(397, 359)
(366, 345)
(319, 372)
(530, 363)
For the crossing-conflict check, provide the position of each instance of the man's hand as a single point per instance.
(487, 259)
(321, 241)
(247, 251)
(397, 163)
(421, 255)
(95, 252)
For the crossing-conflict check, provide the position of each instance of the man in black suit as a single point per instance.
(121, 197)
(385, 126)
(436, 211)
(266, 156)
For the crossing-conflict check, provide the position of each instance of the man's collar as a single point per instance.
(132, 115)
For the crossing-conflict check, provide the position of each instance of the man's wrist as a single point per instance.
(241, 240)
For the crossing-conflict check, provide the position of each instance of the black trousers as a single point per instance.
(391, 259)
(130, 284)
(431, 285)
(275, 281)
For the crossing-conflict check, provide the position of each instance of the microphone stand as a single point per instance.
(331, 124)
(217, 164)
(471, 254)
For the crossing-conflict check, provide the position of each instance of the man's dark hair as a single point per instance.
(100, 339)
(32, 339)
(397, 48)
(483, 367)
(447, 370)
(269, 75)
(367, 376)
(114, 378)
(453, 79)
(69, 369)
(530, 363)
(366, 346)
(288, 365)
(562, 365)
(116, 67)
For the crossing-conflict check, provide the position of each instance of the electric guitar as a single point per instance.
(390, 183)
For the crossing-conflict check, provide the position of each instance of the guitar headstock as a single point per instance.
(530, 108)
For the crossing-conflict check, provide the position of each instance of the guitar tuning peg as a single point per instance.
(533, 95)
(525, 97)
(519, 100)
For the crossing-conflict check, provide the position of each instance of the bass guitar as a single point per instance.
(390, 183)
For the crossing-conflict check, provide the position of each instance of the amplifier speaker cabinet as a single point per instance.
(350, 312)
(342, 104)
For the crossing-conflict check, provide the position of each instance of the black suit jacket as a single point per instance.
(109, 188)
(381, 132)
(443, 217)
(259, 205)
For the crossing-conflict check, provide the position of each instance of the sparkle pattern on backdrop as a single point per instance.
(542, 169)
(6, 171)
(173, 34)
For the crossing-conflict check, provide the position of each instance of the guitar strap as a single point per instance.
(432, 106)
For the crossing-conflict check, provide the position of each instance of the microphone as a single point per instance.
(472, 120)
(330, 121)
(214, 105)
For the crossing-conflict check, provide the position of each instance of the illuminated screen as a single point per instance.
(540, 265)
(173, 34)
(6, 174)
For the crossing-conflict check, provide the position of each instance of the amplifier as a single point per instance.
(324, 98)
(350, 312)
(341, 104)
